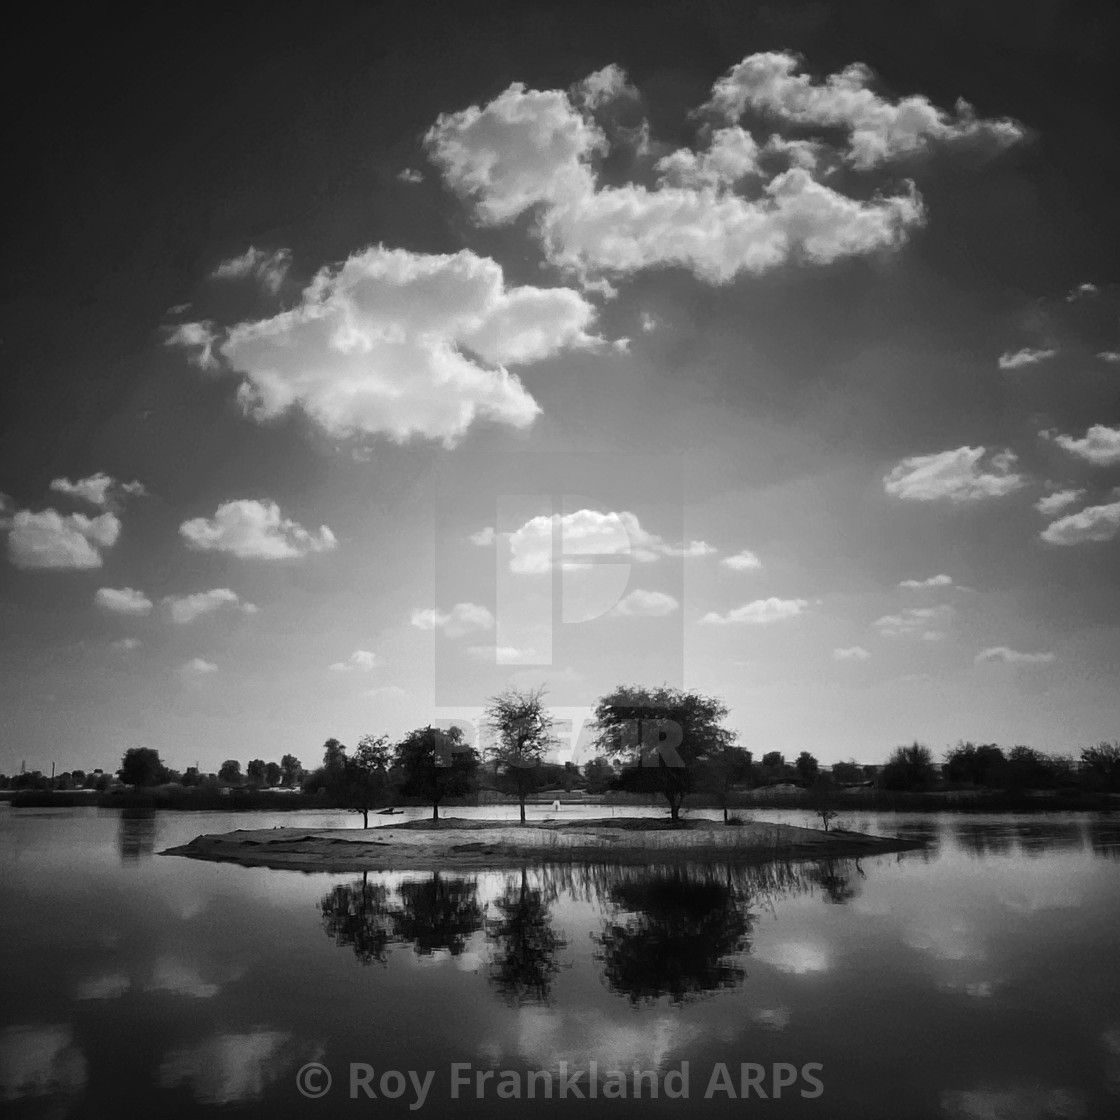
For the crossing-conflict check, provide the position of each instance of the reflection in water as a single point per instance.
(675, 934)
(985, 839)
(356, 915)
(136, 835)
(925, 832)
(39, 1061)
(838, 879)
(525, 944)
(1038, 836)
(1104, 837)
(227, 1067)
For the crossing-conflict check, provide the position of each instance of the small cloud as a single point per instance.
(1025, 357)
(123, 600)
(621, 345)
(386, 692)
(501, 655)
(186, 608)
(648, 322)
(1083, 291)
(127, 644)
(1094, 523)
(48, 539)
(463, 618)
(604, 86)
(253, 529)
(850, 653)
(410, 175)
(915, 620)
(1049, 504)
(361, 660)
(745, 561)
(960, 475)
(98, 489)
(932, 581)
(1012, 657)
(1100, 445)
(646, 604)
(761, 612)
(199, 667)
(268, 269)
(198, 339)
(1110, 356)
(484, 537)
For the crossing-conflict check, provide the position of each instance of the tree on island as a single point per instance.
(663, 733)
(721, 769)
(290, 769)
(1102, 764)
(807, 767)
(272, 773)
(909, 768)
(366, 776)
(435, 764)
(522, 731)
(141, 766)
(230, 772)
(254, 771)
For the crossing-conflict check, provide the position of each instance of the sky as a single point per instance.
(358, 366)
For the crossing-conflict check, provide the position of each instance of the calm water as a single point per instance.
(977, 979)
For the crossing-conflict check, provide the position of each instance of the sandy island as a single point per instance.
(455, 843)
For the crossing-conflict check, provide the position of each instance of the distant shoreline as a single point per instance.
(477, 845)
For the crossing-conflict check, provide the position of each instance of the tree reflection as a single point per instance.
(838, 879)
(438, 913)
(357, 915)
(675, 934)
(525, 944)
(136, 834)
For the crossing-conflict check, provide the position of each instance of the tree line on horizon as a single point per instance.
(658, 741)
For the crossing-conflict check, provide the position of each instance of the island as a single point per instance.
(432, 845)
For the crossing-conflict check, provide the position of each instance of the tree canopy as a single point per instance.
(434, 764)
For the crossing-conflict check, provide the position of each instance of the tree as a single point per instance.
(909, 768)
(366, 775)
(721, 769)
(982, 765)
(1102, 764)
(434, 764)
(291, 768)
(230, 772)
(663, 732)
(255, 771)
(598, 773)
(141, 766)
(847, 773)
(808, 768)
(334, 755)
(773, 760)
(522, 730)
(272, 774)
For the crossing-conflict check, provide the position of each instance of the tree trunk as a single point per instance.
(523, 810)
(725, 814)
(435, 810)
(365, 818)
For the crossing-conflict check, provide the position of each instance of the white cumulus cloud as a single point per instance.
(1049, 504)
(1013, 657)
(361, 660)
(645, 604)
(463, 618)
(1100, 445)
(759, 613)
(198, 667)
(198, 340)
(1093, 523)
(933, 581)
(850, 653)
(186, 608)
(98, 489)
(254, 529)
(49, 539)
(123, 600)
(406, 345)
(924, 621)
(965, 474)
(1027, 356)
(268, 269)
(745, 561)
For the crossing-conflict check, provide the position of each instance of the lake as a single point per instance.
(978, 978)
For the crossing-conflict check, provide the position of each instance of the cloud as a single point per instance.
(186, 608)
(1094, 523)
(850, 653)
(759, 613)
(228, 1067)
(109, 985)
(98, 489)
(604, 86)
(1110, 356)
(500, 655)
(588, 532)
(39, 1061)
(268, 269)
(878, 130)
(1082, 291)
(1025, 1102)
(254, 529)
(915, 620)
(123, 600)
(199, 667)
(932, 581)
(198, 339)
(484, 537)
(745, 561)
(1050, 504)
(957, 475)
(410, 175)
(1025, 357)
(1100, 445)
(361, 660)
(535, 150)
(463, 618)
(1013, 657)
(127, 644)
(50, 540)
(406, 345)
(646, 604)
